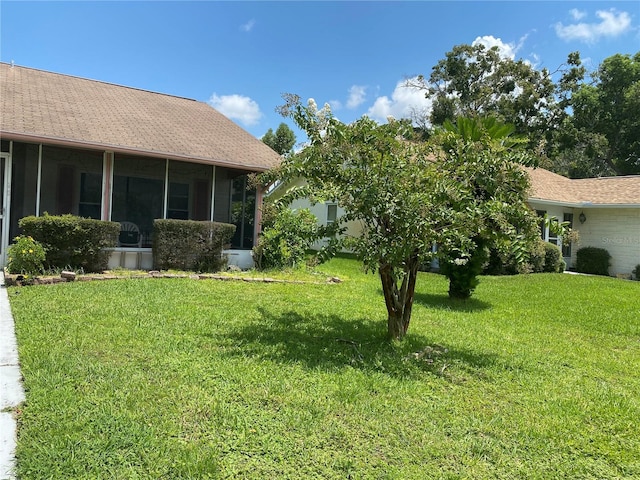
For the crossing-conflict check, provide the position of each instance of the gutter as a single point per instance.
(5, 135)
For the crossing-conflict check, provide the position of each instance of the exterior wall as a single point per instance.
(618, 231)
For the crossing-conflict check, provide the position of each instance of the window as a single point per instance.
(138, 193)
(332, 213)
(178, 201)
(90, 195)
(189, 195)
(71, 181)
(242, 214)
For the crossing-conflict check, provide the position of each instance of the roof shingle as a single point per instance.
(42, 106)
(623, 190)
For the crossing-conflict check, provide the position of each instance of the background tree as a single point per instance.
(601, 137)
(473, 80)
(282, 141)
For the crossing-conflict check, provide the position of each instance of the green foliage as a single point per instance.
(600, 136)
(463, 272)
(404, 200)
(73, 242)
(484, 162)
(473, 80)
(190, 245)
(26, 256)
(593, 260)
(553, 261)
(282, 141)
(285, 238)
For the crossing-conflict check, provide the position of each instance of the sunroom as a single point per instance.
(97, 150)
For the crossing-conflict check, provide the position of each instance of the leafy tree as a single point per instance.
(282, 141)
(604, 125)
(473, 80)
(404, 200)
(484, 159)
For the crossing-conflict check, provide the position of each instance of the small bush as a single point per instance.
(71, 241)
(553, 261)
(636, 272)
(26, 256)
(463, 272)
(285, 239)
(593, 260)
(190, 245)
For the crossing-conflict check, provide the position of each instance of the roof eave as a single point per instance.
(32, 138)
(583, 204)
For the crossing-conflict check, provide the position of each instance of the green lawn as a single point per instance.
(536, 376)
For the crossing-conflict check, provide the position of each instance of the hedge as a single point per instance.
(73, 242)
(593, 260)
(190, 245)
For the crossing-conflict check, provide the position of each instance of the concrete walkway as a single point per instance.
(11, 391)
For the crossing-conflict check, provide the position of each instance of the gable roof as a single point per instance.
(602, 191)
(44, 107)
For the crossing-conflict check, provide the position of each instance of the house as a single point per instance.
(110, 152)
(605, 211)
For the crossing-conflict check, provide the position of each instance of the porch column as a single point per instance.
(258, 214)
(107, 182)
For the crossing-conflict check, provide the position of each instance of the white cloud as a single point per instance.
(247, 27)
(335, 105)
(237, 107)
(506, 50)
(405, 102)
(357, 95)
(577, 14)
(612, 24)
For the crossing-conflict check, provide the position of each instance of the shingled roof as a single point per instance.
(44, 107)
(603, 191)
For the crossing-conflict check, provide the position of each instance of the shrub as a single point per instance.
(593, 260)
(71, 241)
(636, 272)
(553, 261)
(286, 237)
(190, 245)
(26, 256)
(463, 272)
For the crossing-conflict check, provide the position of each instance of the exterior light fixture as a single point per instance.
(582, 217)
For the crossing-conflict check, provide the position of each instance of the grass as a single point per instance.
(535, 377)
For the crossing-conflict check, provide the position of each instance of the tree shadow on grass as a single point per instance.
(443, 302)
(331, 343)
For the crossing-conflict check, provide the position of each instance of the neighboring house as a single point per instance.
(104, 151)
(605, 212)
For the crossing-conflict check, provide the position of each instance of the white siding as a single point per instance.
(618, 231)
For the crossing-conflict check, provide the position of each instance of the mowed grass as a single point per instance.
(536, 376)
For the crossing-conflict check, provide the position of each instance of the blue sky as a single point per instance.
(241, 56)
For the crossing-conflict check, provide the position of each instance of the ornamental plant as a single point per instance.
(26, 256)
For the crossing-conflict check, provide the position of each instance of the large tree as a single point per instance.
(405, 200)
(604, 126)
(476, 81)
(282, 141)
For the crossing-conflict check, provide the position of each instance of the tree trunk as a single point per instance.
(399, 299)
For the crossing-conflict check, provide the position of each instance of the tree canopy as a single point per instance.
(282, 141)
(404, 197)
(582, 127)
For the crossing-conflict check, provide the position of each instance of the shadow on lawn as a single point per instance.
(443, 302)
(329, 342)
